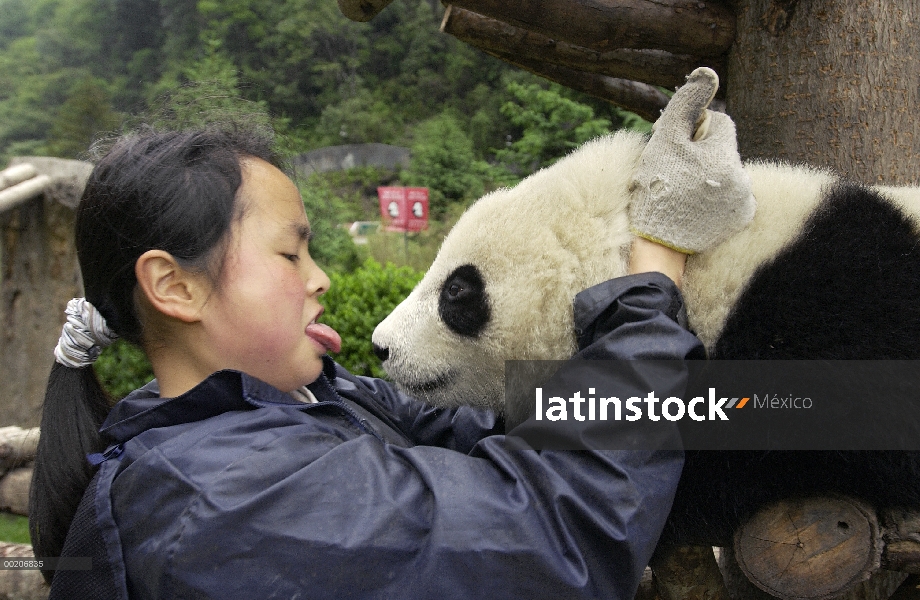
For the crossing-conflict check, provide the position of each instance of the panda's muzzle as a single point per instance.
(463, 304)
(426, 387)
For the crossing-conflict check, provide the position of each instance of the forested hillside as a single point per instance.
(72, 68)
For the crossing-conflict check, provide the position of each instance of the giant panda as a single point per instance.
(828, 269)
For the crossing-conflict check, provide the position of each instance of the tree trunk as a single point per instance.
(832, 83)
(680, 26)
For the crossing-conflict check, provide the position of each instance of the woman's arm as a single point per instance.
(647, 256)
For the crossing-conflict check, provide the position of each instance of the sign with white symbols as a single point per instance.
(404, 208)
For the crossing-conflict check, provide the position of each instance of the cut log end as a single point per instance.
(810, 549)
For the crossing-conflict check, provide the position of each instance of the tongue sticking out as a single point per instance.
(326, 336)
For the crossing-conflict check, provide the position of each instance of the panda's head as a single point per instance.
(503, 282)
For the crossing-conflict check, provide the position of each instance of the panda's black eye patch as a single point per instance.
(463, 304)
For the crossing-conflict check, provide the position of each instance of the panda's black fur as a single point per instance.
(856, 263)
(830, 294)
(463, 304)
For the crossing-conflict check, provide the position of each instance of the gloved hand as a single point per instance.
(690, 191)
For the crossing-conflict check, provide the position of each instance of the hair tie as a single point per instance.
(84, 336)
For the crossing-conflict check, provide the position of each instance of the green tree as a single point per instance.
(360, 119)
(550, 125)
(85, 114)
(443, 161)
(205, 92)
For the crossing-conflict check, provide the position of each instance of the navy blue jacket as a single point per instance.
(236, 490)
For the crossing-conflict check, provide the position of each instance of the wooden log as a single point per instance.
(680, 26)
(645, 100)
(16, 584)
(655, 67)
(687, 573)
(17, 446)
(902, 541)
(13, 196)
(14, 491)
(810, 548)
(16, 174)
(362, 10)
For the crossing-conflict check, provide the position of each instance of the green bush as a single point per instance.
(122, 368)
(356, 302)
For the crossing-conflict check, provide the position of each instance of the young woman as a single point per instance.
(255, 467)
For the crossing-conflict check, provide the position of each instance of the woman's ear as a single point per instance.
(170, 289)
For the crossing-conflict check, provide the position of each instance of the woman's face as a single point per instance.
(261, 317)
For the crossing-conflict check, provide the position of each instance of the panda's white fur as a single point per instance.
(562, 230)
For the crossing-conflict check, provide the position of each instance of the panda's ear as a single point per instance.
(463, 304)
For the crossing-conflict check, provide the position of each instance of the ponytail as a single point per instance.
(75, 407)
(172, 191)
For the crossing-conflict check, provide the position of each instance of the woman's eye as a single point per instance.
(291, 257)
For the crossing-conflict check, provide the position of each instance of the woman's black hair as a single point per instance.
(173, 191)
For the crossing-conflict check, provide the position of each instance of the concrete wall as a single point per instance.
(338, 158)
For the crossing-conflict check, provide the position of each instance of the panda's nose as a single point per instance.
(382, 353)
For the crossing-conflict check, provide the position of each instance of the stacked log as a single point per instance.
(20, 183)
(17, 452)
(16, 583)
(618, 50)
(579, 68)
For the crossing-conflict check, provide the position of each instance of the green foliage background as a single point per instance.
(357, 302)
(72, 71)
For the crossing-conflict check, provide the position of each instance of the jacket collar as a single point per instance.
(222, 392)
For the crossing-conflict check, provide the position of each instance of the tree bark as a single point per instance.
(680, 26)
(362, 10)
(38, 275)
(832, 83)
(655, 67)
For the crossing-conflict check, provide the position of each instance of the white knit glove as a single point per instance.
(691, 191)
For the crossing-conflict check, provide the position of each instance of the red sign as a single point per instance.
(404, 208)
